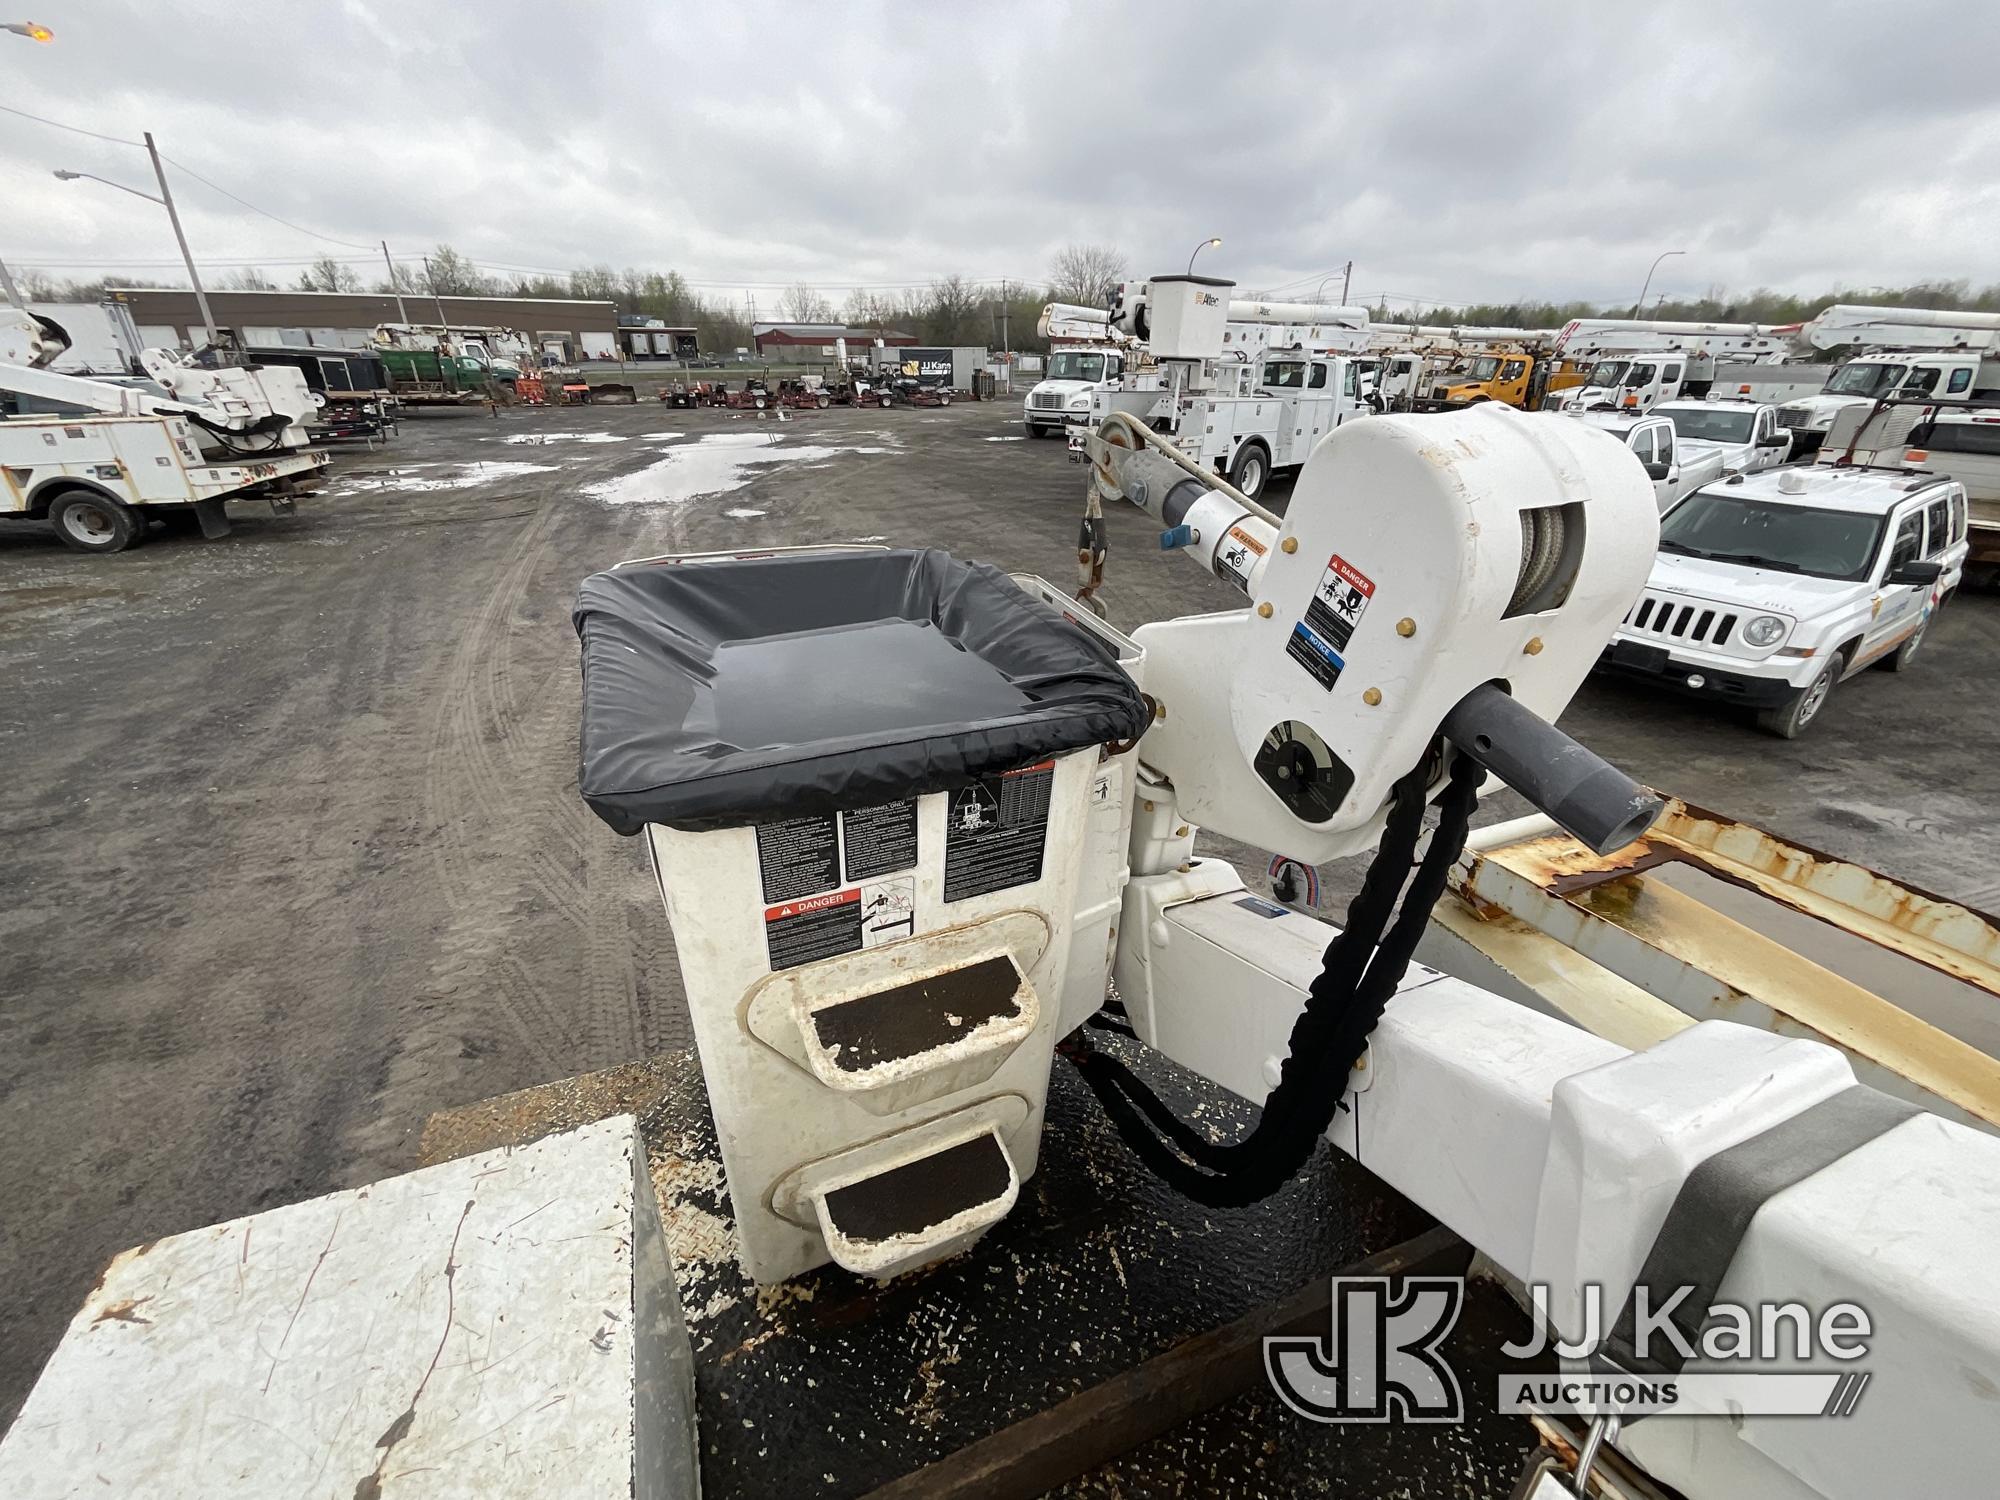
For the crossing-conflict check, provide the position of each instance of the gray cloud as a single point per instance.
(1455, 152)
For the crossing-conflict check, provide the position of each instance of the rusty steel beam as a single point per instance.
(1075, 1436)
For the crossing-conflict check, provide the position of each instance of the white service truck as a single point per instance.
(1246, 388)
(1108, 353)
(1772, 589)
(173, 446)
(1907, 354)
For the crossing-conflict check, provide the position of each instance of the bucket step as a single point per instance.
(909, 1022)
(913, 1209)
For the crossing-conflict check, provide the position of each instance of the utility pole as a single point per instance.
(173, 216)
(395, 286)
(444, 323)
(1007, 345)
(1346, 281)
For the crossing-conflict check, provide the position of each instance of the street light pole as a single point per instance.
(187, 255)
(1204, 245)
(1636, 306)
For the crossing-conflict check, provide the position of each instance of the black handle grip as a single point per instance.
(1591, 798)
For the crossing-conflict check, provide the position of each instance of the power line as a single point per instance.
(116, 140)
(297, 228)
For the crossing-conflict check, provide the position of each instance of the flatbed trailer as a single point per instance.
(98, 480)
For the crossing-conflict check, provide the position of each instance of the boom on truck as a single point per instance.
(1634, 363)
(99, 458)
(1246, 387)
(1901, 354)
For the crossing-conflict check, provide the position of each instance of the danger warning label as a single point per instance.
(995, 831)
(1339, 602)
(814, 927)
(1236, 556)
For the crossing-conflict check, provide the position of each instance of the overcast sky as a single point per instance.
(1455, 152)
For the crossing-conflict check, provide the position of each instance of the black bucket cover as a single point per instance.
(737, 691)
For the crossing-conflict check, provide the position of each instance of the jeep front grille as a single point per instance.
(1670, 619)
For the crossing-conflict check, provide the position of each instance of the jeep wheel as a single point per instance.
(1899, 660)
(1791, 719)
(90, 522)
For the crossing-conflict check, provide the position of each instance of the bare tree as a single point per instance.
(450, 274)
(866, 309)
(955, 312)
(247, 279)
(327, 275)
(804, 304)
(1085, 274)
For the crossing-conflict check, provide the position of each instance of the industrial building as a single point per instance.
(810, 340)
(565, 328)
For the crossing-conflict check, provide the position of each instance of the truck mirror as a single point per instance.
(1658, 470)
(1773, 440)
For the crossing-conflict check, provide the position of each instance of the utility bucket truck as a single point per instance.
(1902, 354)
(1634, 363)
(936, 1216)
(1246, 388)
(98, 459)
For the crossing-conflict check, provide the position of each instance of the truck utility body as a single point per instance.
(1675, 467)
(1771, 589)
(98, 480)
(1251, 421)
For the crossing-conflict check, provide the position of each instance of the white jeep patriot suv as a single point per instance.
(1771, 589)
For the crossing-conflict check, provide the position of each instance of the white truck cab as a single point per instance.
(1889, 377)
(1062, 397)
(1772, 589)
(1674, 467)
(1745, 433)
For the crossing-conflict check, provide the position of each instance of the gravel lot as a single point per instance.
(292, 848)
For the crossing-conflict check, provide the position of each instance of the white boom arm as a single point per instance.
(1748, 342)
(1904, 328)
(243, 409)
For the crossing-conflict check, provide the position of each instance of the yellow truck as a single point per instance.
(1517, 377)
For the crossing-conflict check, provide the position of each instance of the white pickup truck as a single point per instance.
(1772, 589)
(1676, 468)
(1745, 433)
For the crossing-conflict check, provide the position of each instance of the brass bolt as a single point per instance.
(1264, 610)
(1289, 545)
(1181, 832)
(1534, 646)
(1372, 697)
(1159, 710)
(1149, 805)
(1361, 1062)
(1406, 627)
